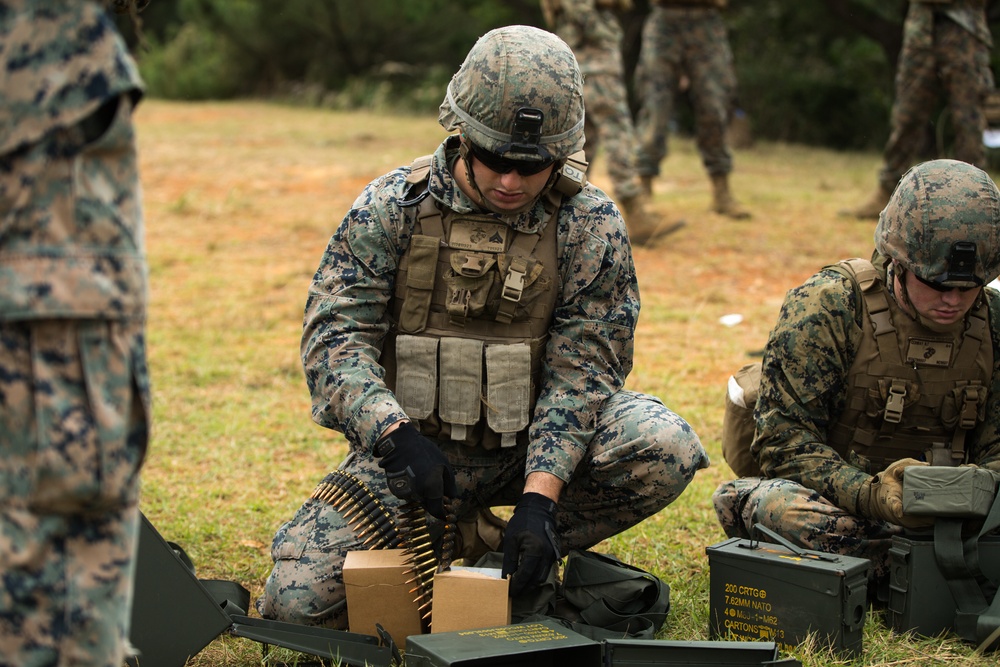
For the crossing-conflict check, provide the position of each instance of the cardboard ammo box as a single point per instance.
(543, 644)
(469, 598)
(919, 597)
(781, 593)
(377, 592)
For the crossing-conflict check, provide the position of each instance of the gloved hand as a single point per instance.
(881, 497)
(416, 469)
(530, 543)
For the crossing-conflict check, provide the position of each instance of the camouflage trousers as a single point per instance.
(954, 62)
(689, 42)
(804, 518)
(73, 432)
(640, 460)
(608, 123)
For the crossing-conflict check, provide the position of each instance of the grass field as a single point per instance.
(240, 200)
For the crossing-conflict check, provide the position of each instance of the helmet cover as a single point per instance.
(518, 94)
(942, 223)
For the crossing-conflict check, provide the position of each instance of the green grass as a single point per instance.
(240, 200)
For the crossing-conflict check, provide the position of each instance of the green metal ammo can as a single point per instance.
(762, 591)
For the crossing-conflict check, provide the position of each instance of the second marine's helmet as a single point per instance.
(519, 95)
(942, 223)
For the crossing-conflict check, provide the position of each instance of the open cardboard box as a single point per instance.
(469, 599)
(377, 592)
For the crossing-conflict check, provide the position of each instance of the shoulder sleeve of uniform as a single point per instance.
(806, 361)
(596, 247)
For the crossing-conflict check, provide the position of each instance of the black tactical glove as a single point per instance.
(530, 543)
(416, 469)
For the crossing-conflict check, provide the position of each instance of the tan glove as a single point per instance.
(881, 497)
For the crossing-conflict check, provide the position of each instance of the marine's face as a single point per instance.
(511, 191)
(941, 307)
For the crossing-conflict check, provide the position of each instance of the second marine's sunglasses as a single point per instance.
(502, 165)
(938, 287)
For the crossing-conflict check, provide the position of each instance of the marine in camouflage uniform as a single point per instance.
(946, 48)
(687, 38)
(843, 411)
(591, 29)
(74, 392)
(471, 399)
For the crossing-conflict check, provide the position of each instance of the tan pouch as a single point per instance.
(737, 421)
(416, 375)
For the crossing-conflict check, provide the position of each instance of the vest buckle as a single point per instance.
(970, 408)
(513, 283)
(895, 402)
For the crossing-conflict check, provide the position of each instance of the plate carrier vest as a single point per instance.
(911, 392)
(473, 303)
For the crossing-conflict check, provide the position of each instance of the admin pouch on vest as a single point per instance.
(473, 303)
(737, 420)
(947, 581)
(779, 592)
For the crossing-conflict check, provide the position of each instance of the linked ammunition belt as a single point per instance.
(374, 525)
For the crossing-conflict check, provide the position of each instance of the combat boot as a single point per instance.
(872, 207)
(643, 227)
(723, 201)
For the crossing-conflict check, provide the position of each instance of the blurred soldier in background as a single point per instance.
(592, 30)
(876, 366)
(946, 47)
(687, 39)
(469, 330)
(74, 391)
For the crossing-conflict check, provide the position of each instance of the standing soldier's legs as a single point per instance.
(712, 92)
(916, 94)
(593, 122)
(965, 72)
(656, 81)
(73, 430)
(607, 103)
(640, 460)
(804, 518)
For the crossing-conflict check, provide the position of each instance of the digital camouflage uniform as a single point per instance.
(811, 490)
(591, 29)
(683, 38)
(946, 47)
(624, 455)
(73, 382)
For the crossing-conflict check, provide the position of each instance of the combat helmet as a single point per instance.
(519, 95)
(942, 223)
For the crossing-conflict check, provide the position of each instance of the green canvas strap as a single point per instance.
(977, 606)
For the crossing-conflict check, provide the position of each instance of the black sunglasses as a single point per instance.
(502, 165)
(938, 287)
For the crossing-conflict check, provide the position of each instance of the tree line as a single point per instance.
(817, 73)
